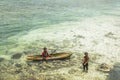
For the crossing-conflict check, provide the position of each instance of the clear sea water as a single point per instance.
(19, 17)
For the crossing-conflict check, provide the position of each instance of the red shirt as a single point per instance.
(44, 53)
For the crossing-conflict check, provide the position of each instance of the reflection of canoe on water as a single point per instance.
(56, 56)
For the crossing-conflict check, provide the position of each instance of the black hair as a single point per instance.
(86, 53)
(44, 48)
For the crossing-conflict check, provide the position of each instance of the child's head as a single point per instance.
(44, 48)
(86, 53)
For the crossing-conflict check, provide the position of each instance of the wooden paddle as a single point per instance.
(53, 51)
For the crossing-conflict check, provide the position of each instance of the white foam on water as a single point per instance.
(93, 29)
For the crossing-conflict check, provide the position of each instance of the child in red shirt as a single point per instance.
(44, 53)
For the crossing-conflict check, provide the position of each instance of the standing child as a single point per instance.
(85, 62)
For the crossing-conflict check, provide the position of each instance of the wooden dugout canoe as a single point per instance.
(55, 56)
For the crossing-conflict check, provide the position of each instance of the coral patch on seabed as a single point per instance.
(1, 59)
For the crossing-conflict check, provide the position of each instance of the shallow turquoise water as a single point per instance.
(17, 18)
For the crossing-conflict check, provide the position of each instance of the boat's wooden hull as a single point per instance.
(56, 56)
